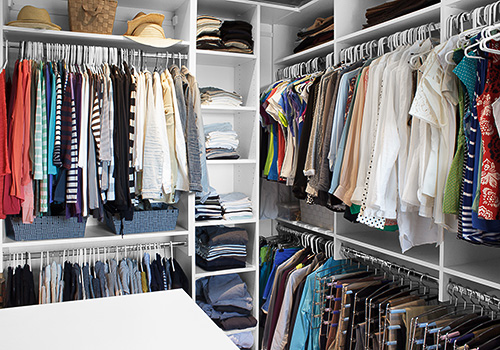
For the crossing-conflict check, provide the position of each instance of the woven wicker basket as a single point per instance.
(144, 221)
(45, 227)
(92, 16)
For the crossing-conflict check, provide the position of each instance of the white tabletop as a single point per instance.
(159, 320)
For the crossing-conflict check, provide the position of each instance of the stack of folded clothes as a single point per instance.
(212, 96)
(393, 9)
(225, 299)
(208, 210)
(320, 32)
(236, 206)
(231, 36)
(237, 36)
(221, 141)
(208, 33)
(221, 248)
(243, 340)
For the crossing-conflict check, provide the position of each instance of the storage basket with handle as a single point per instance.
(92, 16)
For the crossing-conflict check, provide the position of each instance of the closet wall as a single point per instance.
(454, 259)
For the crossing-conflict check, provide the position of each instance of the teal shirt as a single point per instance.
(303, 331)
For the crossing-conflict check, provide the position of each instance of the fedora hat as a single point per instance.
(146, 29)
(34, 17)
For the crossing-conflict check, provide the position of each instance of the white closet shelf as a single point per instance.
(482, 272)
(200, 273)
(169, 6)
(387, 243)
(230, 161)
(68, 37)
(222, 58)
(296, 16)
(238, 331)
(467, 4)
(382, 242)
(95, 235)
(420, 17)
(225, 222)
(316, 51)
(226, 109)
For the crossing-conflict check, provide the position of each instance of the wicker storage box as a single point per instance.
(45, 227)
(317, 215)
(92, 16)
(144, 221)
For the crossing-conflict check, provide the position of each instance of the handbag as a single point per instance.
(92, 16)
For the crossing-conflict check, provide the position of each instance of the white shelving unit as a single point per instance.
(240, 73)
(476, 266)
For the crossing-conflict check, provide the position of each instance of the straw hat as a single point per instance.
(34, 17)
(146, 29)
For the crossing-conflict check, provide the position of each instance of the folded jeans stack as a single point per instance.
(221, 141)
(225, 299)
(320, 32)
(237, 36)
(211, 96)
(394, 9)
(221, 248)
(208, 33)
(208, 210)
(236, 206)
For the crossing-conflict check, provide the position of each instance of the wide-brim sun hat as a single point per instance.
(34, 17)
(146, 29)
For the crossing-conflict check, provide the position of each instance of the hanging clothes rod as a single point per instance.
(312, 240)
(373, 260)
(456, 290)
(133, 52)
(393, 41)
(478, 17)
(97, 250)
(313, 65)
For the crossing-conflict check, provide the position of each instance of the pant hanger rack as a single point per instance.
(459, 293)
(368, 259)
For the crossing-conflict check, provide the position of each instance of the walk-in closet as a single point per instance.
(244, 174)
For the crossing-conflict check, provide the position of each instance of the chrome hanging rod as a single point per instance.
(308, 239)
(456, 290)
(97, 250)
(393, 41)
(307, 67)
(373, 260)
(65, 50)
(478, 17)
